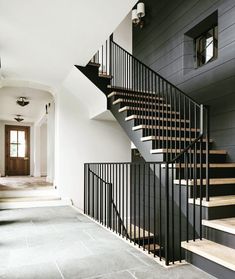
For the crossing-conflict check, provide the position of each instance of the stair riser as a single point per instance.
(219, 212)
(218, 236)
(214, 172)
(214, 190)
(209, 266)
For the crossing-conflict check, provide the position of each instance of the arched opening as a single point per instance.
(27, 134)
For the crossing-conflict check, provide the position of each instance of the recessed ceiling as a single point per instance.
(42, 40)
(32, 112)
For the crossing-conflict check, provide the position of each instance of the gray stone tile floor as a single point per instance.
(60, 243)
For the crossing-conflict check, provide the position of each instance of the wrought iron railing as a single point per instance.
(153, 197)
(156, 205)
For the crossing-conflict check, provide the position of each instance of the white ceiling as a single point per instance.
(41, 40)
(32, 112)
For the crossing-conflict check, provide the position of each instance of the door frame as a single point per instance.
(7, 144)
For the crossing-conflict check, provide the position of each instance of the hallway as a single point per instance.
(59, 242)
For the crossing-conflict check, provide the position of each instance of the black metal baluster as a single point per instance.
(160, 212)
(134, 202)
(148, 165)
(180, 213)
(144, 207)
(123, 199)
(154, 209)
(167, 223)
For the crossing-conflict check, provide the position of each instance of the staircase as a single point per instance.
(171, 131)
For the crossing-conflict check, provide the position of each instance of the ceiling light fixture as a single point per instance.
(19, 118)
(22, 101)
(138, 14)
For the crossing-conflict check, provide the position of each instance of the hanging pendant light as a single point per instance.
(22, 101)
(19, 118)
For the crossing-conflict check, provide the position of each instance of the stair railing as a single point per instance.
(100, 202)
(178, 127)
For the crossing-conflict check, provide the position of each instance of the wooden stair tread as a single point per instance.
(135, 230)
(123, 100)
(139, 127)
(213, 181)
(216, 201)
(134, 116)
(169, 138)
(146, 109)
(104, 75)
(94, 64)
(212, 251)
(151, 247)
(162, 150)
(125, 94)
(226, 225)
(212, 165)
(122, 89)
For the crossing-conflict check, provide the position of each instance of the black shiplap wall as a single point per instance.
(160, 44)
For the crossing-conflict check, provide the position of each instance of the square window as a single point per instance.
(206, 47)
(201, 43)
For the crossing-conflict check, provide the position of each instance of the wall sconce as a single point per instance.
(47, 106)
(138, 14)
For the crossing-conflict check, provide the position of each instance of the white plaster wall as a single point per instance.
(43, 149)
(79, 139)
(82, 140)
(2, 152)
(123, 34)
(51, 143)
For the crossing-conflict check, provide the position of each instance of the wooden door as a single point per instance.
(17, 150)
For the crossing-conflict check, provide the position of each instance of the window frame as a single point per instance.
(198, 60)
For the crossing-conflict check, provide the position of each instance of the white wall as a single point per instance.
(81, 140)
(123, 34)
(51, 143)
(2, 152)
(43, 149)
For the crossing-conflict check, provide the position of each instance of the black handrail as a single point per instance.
(174, 122)
(155, 73)
(111, 201)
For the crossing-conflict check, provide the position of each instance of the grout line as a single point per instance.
(155, 259)
(61, 274)
(133, 275)
(91, 237)
(88, 249)
(139, 259)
